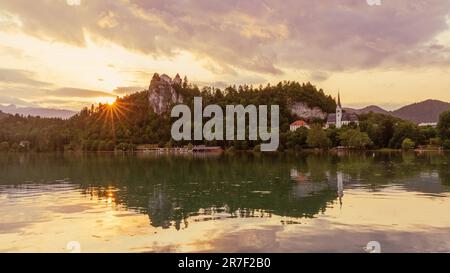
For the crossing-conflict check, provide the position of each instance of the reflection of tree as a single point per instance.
(173, 189)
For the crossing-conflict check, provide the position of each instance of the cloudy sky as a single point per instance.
(70, 53)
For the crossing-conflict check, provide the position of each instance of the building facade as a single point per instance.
(298, 124)
(341, 118)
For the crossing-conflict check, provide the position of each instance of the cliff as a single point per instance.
(163, 94)
(302, 110)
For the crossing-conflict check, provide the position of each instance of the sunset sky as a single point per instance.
(70, 53)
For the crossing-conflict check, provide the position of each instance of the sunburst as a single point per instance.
(112, 113)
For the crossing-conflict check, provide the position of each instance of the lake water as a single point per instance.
(239, 203)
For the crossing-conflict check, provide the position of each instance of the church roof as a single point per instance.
(345, 117)
(299, 123)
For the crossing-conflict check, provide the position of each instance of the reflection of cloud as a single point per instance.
(249, 240)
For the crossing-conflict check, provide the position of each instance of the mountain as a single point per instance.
(35, 111)
(423, 112)
(426, 111)
(367, 109)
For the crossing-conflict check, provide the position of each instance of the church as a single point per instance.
(341, 118)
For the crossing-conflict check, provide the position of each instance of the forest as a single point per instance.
(130, 122)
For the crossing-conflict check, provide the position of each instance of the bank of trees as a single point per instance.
(130, 122)
(444, 129)
(375, 131)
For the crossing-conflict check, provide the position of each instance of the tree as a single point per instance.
(444, 125)
(4, 146)
(317, 138)
(257, 148)
(402, 130)
(354, 138)
(408, 144)
(333, 136)
(297, 139)
(446, 144)
(435, 141)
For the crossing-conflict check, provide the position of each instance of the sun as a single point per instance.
(108, 100)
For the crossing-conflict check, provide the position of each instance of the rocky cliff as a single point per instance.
(163, 94)
(302, 110)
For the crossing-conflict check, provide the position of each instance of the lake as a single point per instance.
(225, 203)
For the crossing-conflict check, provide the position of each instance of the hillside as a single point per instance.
(367, 109)
(423, 112)
(426, 111)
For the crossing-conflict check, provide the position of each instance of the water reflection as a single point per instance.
(176, 192)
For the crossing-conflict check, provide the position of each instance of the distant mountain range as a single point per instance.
(35, 111)
(423, 112)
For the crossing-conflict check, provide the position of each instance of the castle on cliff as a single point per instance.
(162, 92)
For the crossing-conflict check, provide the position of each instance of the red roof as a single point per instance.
(299, 123)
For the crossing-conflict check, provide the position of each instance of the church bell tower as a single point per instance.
(339, 112)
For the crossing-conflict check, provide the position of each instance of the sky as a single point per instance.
(71, 53)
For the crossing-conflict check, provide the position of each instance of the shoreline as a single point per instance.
(180, 151)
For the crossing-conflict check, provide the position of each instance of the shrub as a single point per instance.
(446, 144)
(257, 148)
(408, 144)
(435, 141)
(4, 146)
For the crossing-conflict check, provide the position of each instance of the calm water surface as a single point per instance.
(245, 203)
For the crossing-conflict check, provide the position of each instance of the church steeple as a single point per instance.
(339, 100)
(339, 112)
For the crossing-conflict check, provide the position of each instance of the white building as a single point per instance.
(298, 124)
(426, 124)
(341, 118)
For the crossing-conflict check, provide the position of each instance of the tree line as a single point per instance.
(130, 121)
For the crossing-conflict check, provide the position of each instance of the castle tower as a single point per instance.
(339, 112)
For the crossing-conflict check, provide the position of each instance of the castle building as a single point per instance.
(162, 93)
(341, 118)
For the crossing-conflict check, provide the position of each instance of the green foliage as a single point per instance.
(408, 144)
(131, 122)
(446, 144)
(257, 148)
(4, 146)
(444, 125)
(389, 132)
(295, 140)
(379, 127)
(190, 146)
(43, 134)
(436, 141)
(333, 136)
(317, 138)
(169, 144)
(354, 138)
(124, 147)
